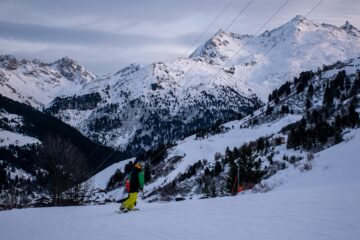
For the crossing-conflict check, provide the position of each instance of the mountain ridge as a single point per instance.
(131, 106)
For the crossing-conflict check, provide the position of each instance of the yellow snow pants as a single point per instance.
(130, 202)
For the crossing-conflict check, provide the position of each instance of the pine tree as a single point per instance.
(212, 192)
(3, 177)
(147, 173)
(353, 116)
(338, 124)
(338, 137)
(250, 168)
(217, 169)
(260, 144)
(310, 90)
(300, 88)
(328, 97)
(231, 179)
(228, 154)
(207, 172)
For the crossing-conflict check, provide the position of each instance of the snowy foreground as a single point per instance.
(320, 204)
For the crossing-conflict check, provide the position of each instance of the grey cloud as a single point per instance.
(131, 10)
(38, 33)
(107, 35)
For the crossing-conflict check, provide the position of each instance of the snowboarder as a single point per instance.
(136, 179)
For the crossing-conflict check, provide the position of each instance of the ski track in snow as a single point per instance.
(319, 204)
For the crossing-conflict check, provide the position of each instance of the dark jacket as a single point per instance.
(136, 180)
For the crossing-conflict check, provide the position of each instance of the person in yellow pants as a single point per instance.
(129, 203)
(136, 178)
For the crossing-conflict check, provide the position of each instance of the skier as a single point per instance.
(136, 178)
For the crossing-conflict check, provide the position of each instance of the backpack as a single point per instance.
(127, 184)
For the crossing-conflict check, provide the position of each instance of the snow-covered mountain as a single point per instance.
(37, 83)
(145, 106)
(142, 107)
(266, 61)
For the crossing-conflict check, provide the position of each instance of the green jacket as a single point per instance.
(136, 178)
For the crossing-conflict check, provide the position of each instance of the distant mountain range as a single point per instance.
(141, 107)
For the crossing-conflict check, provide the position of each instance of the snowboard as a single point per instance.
(121, 212)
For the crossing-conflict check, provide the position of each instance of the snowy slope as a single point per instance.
(193, 149)
(319, 204)
(190, 150)
(12, 138)
(9, 135)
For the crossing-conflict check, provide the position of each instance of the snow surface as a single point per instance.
(11, 138)
(319, 204)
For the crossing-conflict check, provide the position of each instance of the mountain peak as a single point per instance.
(71, 70)
(9, 62)
(220, 46)
(296, 25)
(68, 62)
(349, 28)
(298, 18)
(6, 58)
(300, 21)
(220, 32)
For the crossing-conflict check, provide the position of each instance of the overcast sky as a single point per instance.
(107, 35)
